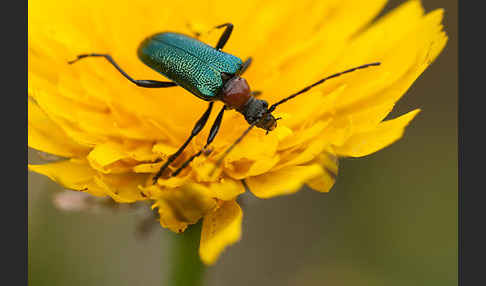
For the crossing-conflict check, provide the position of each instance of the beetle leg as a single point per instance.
(225, 36)
(246, 64)
(222, 40)
(238, 140)
(197, 128)
(212, 134)
(256, 93)
(141, 83)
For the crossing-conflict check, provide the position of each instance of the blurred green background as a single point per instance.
(391, 218)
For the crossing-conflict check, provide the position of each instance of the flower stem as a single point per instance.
(186, 266)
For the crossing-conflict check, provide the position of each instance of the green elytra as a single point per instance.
(211, 75)
(190, 63)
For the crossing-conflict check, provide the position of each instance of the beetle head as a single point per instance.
(256, 109)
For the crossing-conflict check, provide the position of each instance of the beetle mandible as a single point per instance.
(210, 74)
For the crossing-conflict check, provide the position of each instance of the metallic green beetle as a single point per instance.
(211, 75)
(192, 64)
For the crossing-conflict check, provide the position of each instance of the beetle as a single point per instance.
(211, 75)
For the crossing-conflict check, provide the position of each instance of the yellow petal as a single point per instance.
(164, 149)
(220, 229)
(282, 182)
(106, 154)
(148, 167)
(325, 181)
(71, 174)
(408, 43)
(139, 150)
(225, 189)
(117, 157)
(46, 136)
(334, 23)
(173, 182)
(300, 137)
(182, 206)
(246, 168)
(122, 188)
(254, 147)
(387, 132)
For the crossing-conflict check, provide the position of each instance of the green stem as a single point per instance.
(186, 266)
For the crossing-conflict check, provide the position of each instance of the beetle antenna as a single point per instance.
(272, 108)
(218, 163)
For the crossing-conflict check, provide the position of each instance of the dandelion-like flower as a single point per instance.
(115, 136)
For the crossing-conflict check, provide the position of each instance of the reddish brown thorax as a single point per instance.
(236, 93)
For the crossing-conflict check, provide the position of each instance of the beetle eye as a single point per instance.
(264, 104)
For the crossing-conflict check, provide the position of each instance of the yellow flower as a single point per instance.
(115, 135)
